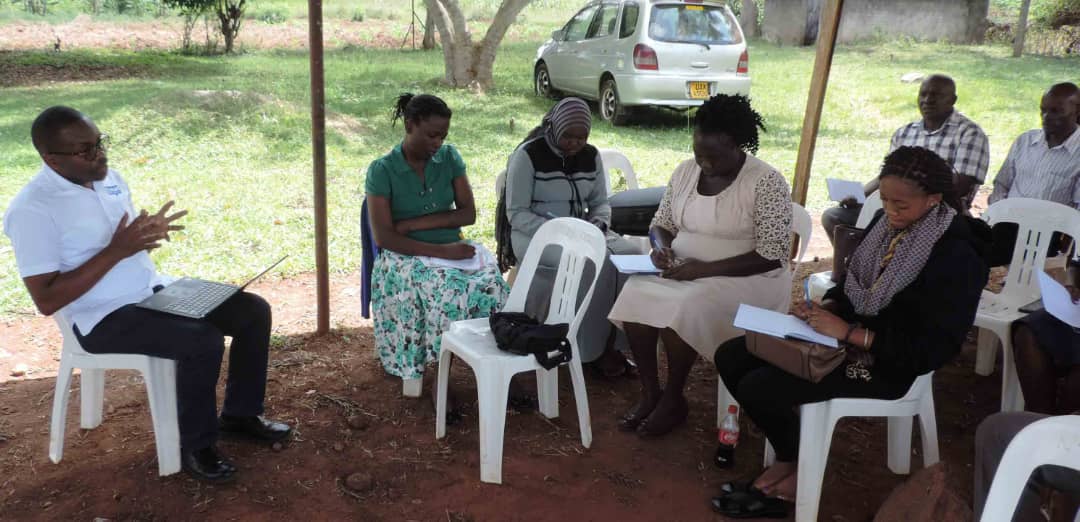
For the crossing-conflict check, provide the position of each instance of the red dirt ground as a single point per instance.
(317, 383)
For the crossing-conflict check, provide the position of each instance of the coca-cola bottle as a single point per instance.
(729, 438)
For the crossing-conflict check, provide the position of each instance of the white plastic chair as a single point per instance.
(614, 159)
(472, 342)
(1053, 440)
(802, 226)
(816, 423)
(1037, 220)
(158, 374)
(821, 282)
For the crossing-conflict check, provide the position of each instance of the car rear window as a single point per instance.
(690, 23)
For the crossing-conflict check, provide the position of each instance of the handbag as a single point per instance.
(519, 333)
(632, 211)
(846, 239)
(810, 361)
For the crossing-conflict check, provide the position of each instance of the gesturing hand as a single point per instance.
(129, 239)
(161, 223)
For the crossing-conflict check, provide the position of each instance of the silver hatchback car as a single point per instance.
(626, 53)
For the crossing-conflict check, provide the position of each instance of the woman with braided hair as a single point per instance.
(904, 309)
(722, 236)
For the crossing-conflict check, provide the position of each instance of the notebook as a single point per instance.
(634, 264)
(195, 298)
(777, 324)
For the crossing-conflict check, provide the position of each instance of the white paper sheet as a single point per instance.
(634, 264)
(841, 189)
(480, 259)
(777, 324)
(1058, 302)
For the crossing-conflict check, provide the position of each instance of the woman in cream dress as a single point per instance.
(722, 236)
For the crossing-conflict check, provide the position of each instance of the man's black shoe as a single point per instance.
(254, 427)
(207, 465)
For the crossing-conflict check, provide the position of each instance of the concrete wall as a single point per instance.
(793, 22)
(950, 20)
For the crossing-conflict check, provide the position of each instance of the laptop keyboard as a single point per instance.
(207, 298)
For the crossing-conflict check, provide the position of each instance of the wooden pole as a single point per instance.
(818, 82)
(1021, 29)
(318, 155)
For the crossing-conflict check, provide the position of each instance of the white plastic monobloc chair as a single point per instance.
(158, 374)
(472, 341)
(614, 159)
(802, 226)
(821, 282)
(816, 423)
(1037, 220)
(1053, 440)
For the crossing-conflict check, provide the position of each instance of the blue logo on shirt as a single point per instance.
(112, 190)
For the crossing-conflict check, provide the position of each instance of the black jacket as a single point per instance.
(926, 323)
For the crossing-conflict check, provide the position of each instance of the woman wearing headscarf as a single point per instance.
(904, 309)
(556, 173)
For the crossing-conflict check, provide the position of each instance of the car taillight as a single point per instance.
(744, 63)
(645, 58)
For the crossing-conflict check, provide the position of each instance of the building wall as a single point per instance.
(793, 22)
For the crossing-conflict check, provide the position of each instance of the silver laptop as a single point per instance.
(195, 298)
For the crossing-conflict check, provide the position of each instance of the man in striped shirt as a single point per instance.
(1045, 163)
(942, 129)
(1042, 164)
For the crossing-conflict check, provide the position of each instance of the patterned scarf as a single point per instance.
(567, 113)
(888, 260)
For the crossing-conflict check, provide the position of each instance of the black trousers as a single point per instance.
(197, 346)
(770, 395)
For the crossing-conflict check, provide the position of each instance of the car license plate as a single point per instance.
(699, 90)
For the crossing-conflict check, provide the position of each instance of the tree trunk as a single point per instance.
(230, 14)
(429, 32)
(468, 64)
(748, 18)
(1021, 28)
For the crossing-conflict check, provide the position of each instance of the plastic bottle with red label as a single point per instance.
(729, 438)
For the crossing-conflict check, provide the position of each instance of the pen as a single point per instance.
(806, 288)
(550, 215)
(655, 242)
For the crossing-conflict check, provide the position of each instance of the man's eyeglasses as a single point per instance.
(91, 152)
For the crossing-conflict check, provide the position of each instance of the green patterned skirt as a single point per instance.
(412, 304)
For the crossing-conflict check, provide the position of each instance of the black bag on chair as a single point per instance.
(516, 332)
(845, 240)
(632, 211)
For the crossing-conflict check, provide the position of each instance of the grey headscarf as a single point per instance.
(569, 112)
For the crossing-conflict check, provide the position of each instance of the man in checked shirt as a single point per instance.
(942, 129)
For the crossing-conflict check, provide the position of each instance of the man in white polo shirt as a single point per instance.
(82, 252)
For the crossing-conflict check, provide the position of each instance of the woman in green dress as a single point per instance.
(418, 198)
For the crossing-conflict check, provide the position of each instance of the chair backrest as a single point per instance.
(1053, 440)
(1036, 220)
(500, 183)
(71, 343)
(614, 159)
(369, 250)
(802, 226)
(581, 241)
(869, 208)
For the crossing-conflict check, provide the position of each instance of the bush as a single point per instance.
(272, 15)
(358, 15)
(1060, 13)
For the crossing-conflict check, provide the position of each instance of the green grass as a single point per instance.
(238, 157)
